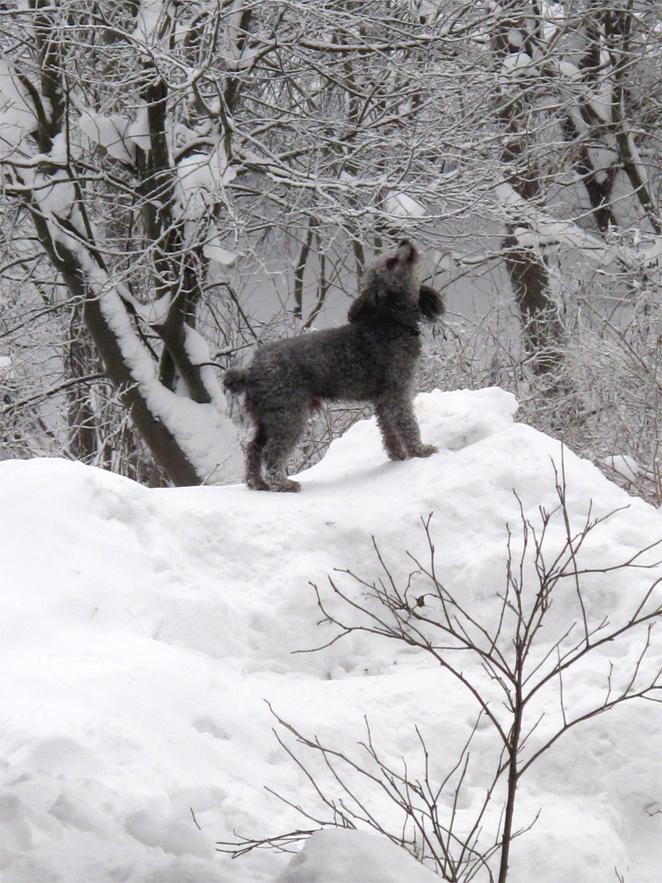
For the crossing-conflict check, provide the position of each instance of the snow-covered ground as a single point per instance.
(141, 632)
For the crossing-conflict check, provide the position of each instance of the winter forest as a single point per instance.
(212, 685)
(181, 181)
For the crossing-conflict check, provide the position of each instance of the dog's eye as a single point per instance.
(390, 263)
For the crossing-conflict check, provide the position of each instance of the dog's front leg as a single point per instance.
(399, 428)
(389, 432)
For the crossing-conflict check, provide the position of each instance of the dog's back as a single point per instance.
(351, 363)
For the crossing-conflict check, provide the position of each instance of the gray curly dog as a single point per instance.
(371, 359)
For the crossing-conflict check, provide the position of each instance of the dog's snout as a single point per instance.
(407, 250)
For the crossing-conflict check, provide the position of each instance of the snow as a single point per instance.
(200, 176)
(203, 431)
(119, 135)
(653, 253)
(542, 229)
(515, 65)
(214, 251)
(625, 466)
(201, 179)
(56, 195)
(334, 855)
(142, 630)
(17, 116)
(149, 20)
(401, 205)
(138, 128)
(112, 132)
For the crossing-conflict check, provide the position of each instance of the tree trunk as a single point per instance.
(81, 418)
(542, 329)
(528, 272)
(164, 447)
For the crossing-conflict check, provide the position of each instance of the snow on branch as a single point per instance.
(536, 229)
(18, 116)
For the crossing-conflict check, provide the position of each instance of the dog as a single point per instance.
(370, 359)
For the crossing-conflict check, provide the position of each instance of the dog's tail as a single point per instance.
(235, 380)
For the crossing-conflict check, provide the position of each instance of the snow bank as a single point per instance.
(141, 632)
(338, 855)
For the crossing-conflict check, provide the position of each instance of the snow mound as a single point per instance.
(141, 632)
(338, 855)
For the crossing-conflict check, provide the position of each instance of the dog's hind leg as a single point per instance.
(282, 438)
(399, 428)
(254, 453)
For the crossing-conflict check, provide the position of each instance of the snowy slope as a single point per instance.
(141, 632)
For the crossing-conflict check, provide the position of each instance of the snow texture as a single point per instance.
(17, 116)
(141, 632)
(401, 205)
(540, 229)
(111, 132)
(203, 431)
(338, 855)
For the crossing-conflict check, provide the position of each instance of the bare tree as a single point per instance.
(147, 141)
(68, 156)
(570, 104)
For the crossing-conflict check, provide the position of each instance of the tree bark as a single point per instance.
(527, 270)
(164, 447)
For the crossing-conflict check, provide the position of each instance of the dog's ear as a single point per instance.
(431, 303)
(369, 303)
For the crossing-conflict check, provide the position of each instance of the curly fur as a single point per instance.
(371, 359)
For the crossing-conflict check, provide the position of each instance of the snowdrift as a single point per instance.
(145, 635)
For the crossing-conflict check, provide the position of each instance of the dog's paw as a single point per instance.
(397, 455)
(287, 486)
(424, 451)
(257, 484)
(281, 484)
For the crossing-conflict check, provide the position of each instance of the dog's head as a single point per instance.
(392, 285)
(396, 271)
